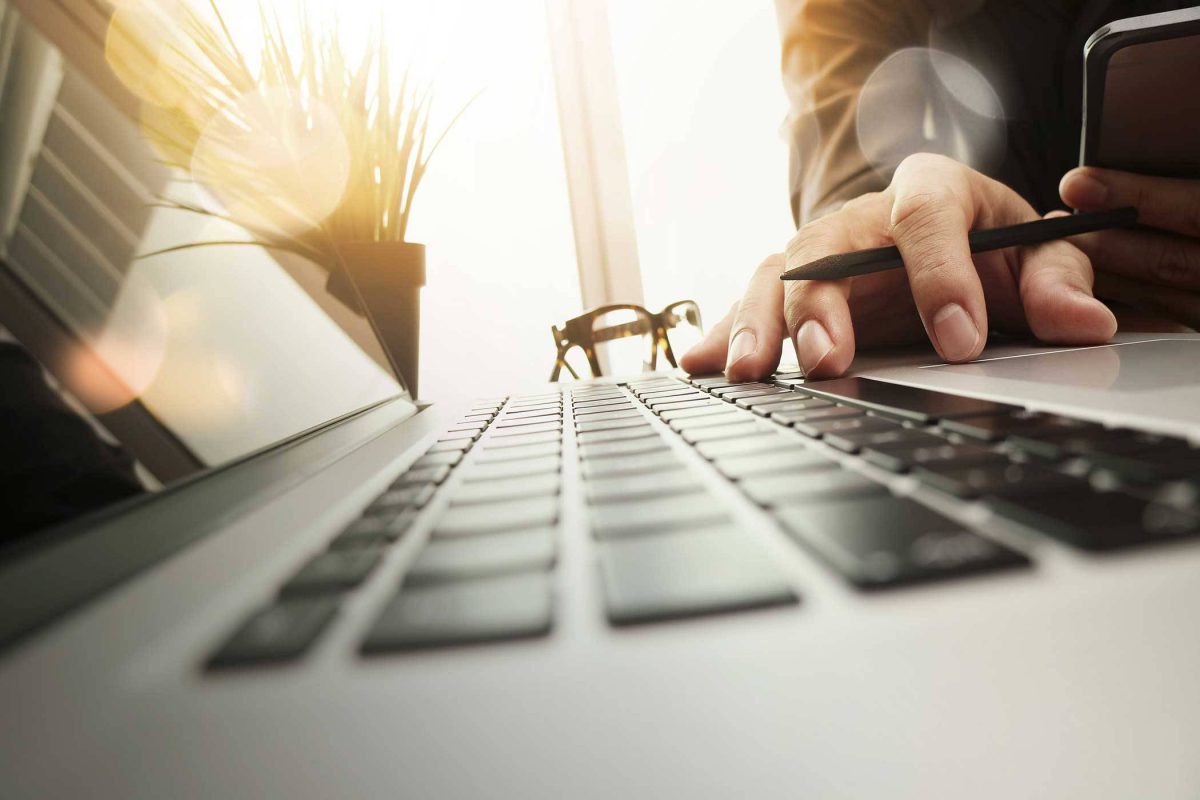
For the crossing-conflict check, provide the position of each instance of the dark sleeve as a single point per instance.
(829, 49)
(53, 464)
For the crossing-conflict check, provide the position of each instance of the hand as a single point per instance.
(942, 292)
(1155, 268)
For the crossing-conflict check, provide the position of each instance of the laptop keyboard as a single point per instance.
(667, 546)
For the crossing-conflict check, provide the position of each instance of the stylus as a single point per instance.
(864, 262)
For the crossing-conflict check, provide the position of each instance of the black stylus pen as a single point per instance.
(864, 262)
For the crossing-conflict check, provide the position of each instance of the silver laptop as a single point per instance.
(921, 581)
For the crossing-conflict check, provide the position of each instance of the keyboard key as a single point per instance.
(512, 469)
(1098, 520)
(644, 464)
(705, 410)
(630, 420)
(281, 632)
(590, 413)
(801, 487)
(712, 421)
(471, 520)
(395, 500)
(746, 400)
(375, 530)
(752, 445)
(592, 405)
(903, 454)
(463, 612)
(631, 447)
(995, 476)
(483, 556)
(995, 428)
(334, 571)
(526, 430)
(691, 404)
(708, 380)
(847, 425)
(658, 394)
(532, 417)
(737, 430)
(623, 488)
(438, 459)
(518, 426)
(786, 404)
(617, 435)
(543, 409)
(709, 571)
(431, 474)
(452, 445)
(1148, 467)
(737, 388)
(886, 541)
(661, 514)
(490, 456)
(466, 429)
(545, 484)
(522, 440)
(608, 416)
(856, 441)
(676, 401)
(923, 406)
(808, 415)
(785, 461)
(780, 397)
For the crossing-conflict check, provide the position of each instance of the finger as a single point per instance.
(1168, 203)
(708, 355)
(1154, 256)
(933, 210)
(1056, 293)
(756, 336)
(817, 313)
(1180, 306)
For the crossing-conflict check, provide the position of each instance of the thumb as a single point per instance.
(1170, 204)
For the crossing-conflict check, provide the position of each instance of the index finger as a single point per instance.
(932, 211)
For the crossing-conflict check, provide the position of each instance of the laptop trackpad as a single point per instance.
(1134, 367)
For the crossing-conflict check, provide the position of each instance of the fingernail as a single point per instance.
(812, 345)
(743, 344)
(956, 334)
(1085, 189)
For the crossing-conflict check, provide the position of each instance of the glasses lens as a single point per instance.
(622, 338)
(684, 328)
(577, 360)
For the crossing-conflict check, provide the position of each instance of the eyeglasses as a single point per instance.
(625, 338)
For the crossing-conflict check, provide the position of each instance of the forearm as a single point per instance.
(829, 49)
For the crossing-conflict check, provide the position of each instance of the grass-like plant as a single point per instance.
(304, 90)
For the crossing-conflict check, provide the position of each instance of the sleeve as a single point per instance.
(829, 49)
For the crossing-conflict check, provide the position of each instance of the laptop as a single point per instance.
(917, 581)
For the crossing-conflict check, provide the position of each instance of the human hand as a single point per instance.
(943, 292)
(1156, 267)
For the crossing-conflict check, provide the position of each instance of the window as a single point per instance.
(702, 105)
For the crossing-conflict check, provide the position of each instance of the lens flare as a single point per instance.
(277, 163)
(921, 100)
(122, 359)
(148, 51)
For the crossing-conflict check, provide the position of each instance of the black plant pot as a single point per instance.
(389, 277)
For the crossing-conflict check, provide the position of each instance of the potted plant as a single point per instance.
(311, 151)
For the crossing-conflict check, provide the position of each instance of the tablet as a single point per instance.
(1141, 99)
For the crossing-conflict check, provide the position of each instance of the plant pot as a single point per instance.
(388, 277)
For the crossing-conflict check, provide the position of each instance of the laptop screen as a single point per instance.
(126, 372)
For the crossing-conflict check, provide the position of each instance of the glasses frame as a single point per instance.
(578, 332)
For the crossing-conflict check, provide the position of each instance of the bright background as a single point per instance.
(701, 105)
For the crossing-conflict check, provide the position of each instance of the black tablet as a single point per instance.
(1141, 97)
